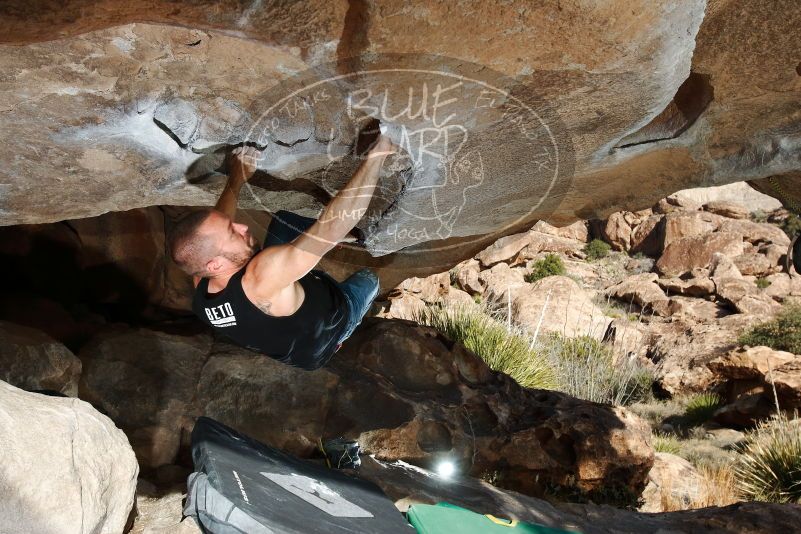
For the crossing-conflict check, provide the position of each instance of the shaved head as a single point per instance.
(208, 243)
(190, 248)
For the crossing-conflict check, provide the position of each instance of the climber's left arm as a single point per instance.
(241, 166)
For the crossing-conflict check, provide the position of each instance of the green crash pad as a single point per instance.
(446, 518)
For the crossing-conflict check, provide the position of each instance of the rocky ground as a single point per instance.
(679, 286)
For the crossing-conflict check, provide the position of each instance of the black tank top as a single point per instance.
(306, 339)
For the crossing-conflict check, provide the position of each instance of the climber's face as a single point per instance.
(233, 243)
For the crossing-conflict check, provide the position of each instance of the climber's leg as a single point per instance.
(286, 226)
(361, 289)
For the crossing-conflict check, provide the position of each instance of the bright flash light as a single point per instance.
(446, 469)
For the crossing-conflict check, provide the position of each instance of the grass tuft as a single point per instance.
(502, 349)
(587, 368)
(666, 443)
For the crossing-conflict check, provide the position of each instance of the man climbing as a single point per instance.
(274, 301)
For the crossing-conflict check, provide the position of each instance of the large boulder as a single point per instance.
(121, 141)
(731, 210)
(406, 393)
(755, 232)
(782, 286)
(503, 249)
(746, 377)
(66, 467)
(502, 282)
(672, 481)
(680, 224)
(646, 237)
(145, 381)
(32, 360)
(430, 289)
(541, 242)
(788, 384)
(749, 363)
(560, 305)
(467, 276)
(642, 290)
(743, 296)
(577, 231)
(616, 231)
(739, 194)
(682, 349)
(691, 287)
(688, 253)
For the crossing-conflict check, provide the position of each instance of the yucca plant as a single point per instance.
(666, 443)
(768, 467)
(700, 408)
(503, 348)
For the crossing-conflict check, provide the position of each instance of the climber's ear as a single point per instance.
(214, 265)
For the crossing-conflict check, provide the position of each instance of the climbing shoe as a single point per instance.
(341, 453)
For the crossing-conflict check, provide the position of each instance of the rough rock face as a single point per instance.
(145, 381)
(402, 390)
(66, 467)
(682, 350)
(32, 360)
(407, 394)
(562, 305)
(671, 478)
(124, 114)
(745, 377)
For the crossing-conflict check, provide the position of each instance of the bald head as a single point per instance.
(191, 248)
(208, 243)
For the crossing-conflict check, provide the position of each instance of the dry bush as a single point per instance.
(717, 488)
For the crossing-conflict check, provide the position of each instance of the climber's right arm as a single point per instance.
(278, 266)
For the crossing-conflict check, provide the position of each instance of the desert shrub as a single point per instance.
(716, 488)
(791, 225)
(597, 249)
(769, 465)
(719, 486)
(781, 333)
(666, 443)
(503, 349)
(700, 408)
(759, 216)
(453, 277)
(550, 265)
(615, 309)
(762, 283)
(586, 368)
